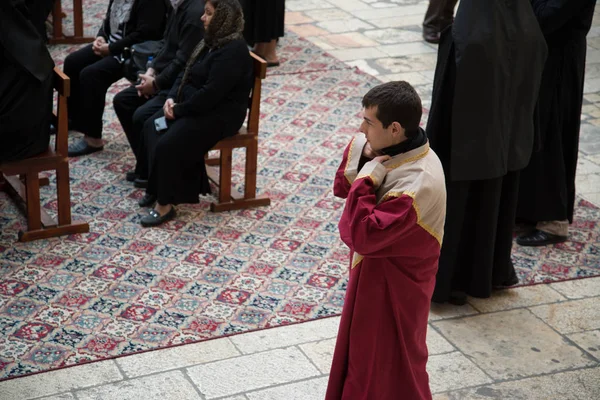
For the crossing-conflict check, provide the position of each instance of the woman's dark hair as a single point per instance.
(396, 101)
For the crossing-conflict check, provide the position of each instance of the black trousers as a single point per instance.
(133, 111)
(91, 76)
(478, 235)
(439, 15)
(175, 157)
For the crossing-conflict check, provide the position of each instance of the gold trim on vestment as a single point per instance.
(373, 179)
(348, 160)
(356, 259)
(426, 227)
(411, 159)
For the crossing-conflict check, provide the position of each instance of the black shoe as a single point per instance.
(147, 201)
(457, 298)
(539, 238)
(431, 35)
(140, 183)
(131, 176)
(82, 148)
(154, 219)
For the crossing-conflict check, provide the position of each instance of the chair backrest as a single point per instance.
(260, 73)
(62, 84)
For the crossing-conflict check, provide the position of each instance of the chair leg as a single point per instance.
(250, 174)
(63, 194)
(225, 176)
(32, 190)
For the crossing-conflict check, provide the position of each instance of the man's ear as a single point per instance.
(397, 130)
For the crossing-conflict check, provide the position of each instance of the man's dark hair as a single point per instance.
(396, 101)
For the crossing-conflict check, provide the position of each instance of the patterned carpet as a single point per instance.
(122, 289)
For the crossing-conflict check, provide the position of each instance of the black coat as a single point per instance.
(25, 84)
(547, 190)
(147, 22)
(219, 84)
(486, 84)
(184, 31)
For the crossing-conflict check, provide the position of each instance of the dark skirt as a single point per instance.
(478, 235)
(547, 190)
(175, 157)
(264, 20)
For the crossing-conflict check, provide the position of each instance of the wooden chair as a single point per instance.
(246, 138)
(58, 37)
(22, 178)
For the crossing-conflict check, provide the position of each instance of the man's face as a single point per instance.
(377, 136)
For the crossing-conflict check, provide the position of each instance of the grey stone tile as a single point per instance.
(453, 371)
(592, 70)
(364, 66)
(240, 397)
(286, 336)
(572, 316)
(248, 373)
(303, 5)
(320, 353)
(417, 9)
(344, 25)
(328, 14)
(512, 344)
(393, 36)
(572, 385)
(586, 167)
(406, 49)
(395, 22)
(177, 357)
(60, 381)
(588, 183)
(63, 396)
(516, 298)
(593, 198)
(444, 311)
(436, 343)
(415, 63)
(579, 288)
(167, 386)
(414, 78)
(349, 5)
(589, 341)
(313, 389)
(591, 85)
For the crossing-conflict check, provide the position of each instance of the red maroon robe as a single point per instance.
(393, 222)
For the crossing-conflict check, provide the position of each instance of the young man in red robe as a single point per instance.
(393, 223)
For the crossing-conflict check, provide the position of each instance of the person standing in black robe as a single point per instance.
(25, 84)
(264, 25)
(547, 189)
(481, 125)
(207, 103)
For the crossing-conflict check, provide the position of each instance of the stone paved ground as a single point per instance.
(537, 342)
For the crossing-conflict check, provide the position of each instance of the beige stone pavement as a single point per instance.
(536, 342)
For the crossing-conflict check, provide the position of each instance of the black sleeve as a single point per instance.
(225, 73)
(190, 35)
(175, 87)
(553, 14)
(150, 24)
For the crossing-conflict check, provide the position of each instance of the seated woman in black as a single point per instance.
(95, 67)
(207, 103)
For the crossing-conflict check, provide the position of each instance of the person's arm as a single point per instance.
(375, 229)
(150, 24)
(553, 14)
(102, 31)
(225, 72)
(190, 36)
(175, 87)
